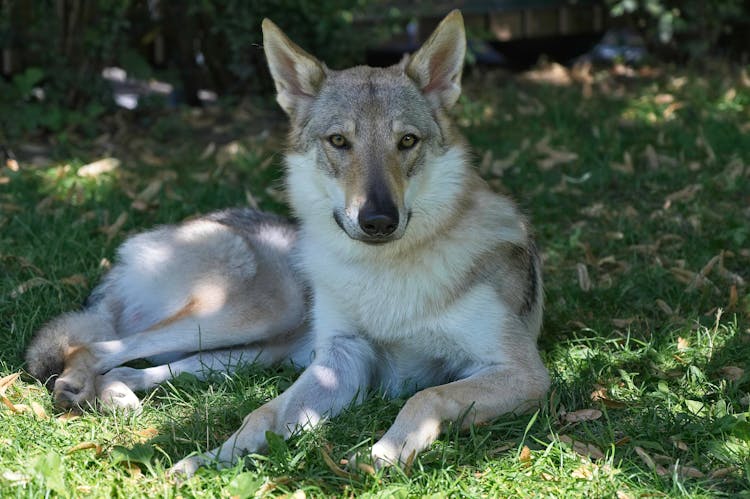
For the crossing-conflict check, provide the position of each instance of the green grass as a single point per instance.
(628, 330)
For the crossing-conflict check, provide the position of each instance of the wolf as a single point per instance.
(405, 274)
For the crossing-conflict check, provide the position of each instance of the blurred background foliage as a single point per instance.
(53, 51)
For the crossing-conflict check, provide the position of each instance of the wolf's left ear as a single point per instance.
(296, 74)
(436, 67)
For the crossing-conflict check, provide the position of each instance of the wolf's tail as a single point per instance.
(45, 357)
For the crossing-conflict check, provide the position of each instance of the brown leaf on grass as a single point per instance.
(649, 462)
(16, 408)
(621, 494)
(682, 344)
(112, 230)
(551, 73)
(582, 415)
(664, 307)
(147, 433)
(685, 194)
(651, 157)
(584, 472)
(503, 448)
(623, 323)
(68, 416)
(553, 157)
(525, 455)
(7, 381)
(500, 165)
(144, 198)
(151, 159)
(733, 297)
(582, 448)
(685, 471)
(722, 472)
(38, 410)
(584, 281)
(85, 446)
(626, 167)
(22, 288)
(132, 468)
(77, 280)
(701, 142)
(700, 278)
(600, 394)
(678, 443)
(250, 200)
(732, 373)
(550, 478)
(43, 205)
(334, 467)
(486, 163)
(104, 165)
(208, 151)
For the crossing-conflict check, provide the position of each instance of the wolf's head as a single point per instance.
(365, 141)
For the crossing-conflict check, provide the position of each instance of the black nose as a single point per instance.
(378, 224)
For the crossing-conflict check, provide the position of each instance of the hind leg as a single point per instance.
(116, 387)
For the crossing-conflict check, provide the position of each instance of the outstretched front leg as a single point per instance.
(516, 386)
(340, 373)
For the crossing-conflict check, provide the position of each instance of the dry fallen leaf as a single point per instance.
(582, 448)
(500, 165)
(732, 373)
(623, 323)
(582, 415)
(147, 433)
(77, 280)
(68, 416)
(38, 410)
(626, 167)
(682, 344)
(679, 443)
(104, 165)
(7, 381)
(584, 281)
(27, 285)
(553, 157)
(16, 477)
(649, 462)
(333, 466)
(85, 446)
(687, 471)
(112, 230)
(525, 455)
(664, 307)
(722, 472)
(584, 472)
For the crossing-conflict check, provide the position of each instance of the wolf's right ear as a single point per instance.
(296, 74)
(436, 67)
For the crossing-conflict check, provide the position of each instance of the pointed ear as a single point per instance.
(436, 67)
(296, 74)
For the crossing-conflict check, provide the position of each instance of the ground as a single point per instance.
(638, 184)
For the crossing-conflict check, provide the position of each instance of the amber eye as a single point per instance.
(408, 141)
(338, 141)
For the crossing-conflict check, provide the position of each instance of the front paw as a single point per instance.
(114, 395)
(385, 454)
(186, 468)
(382, 455)
(75, 391)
